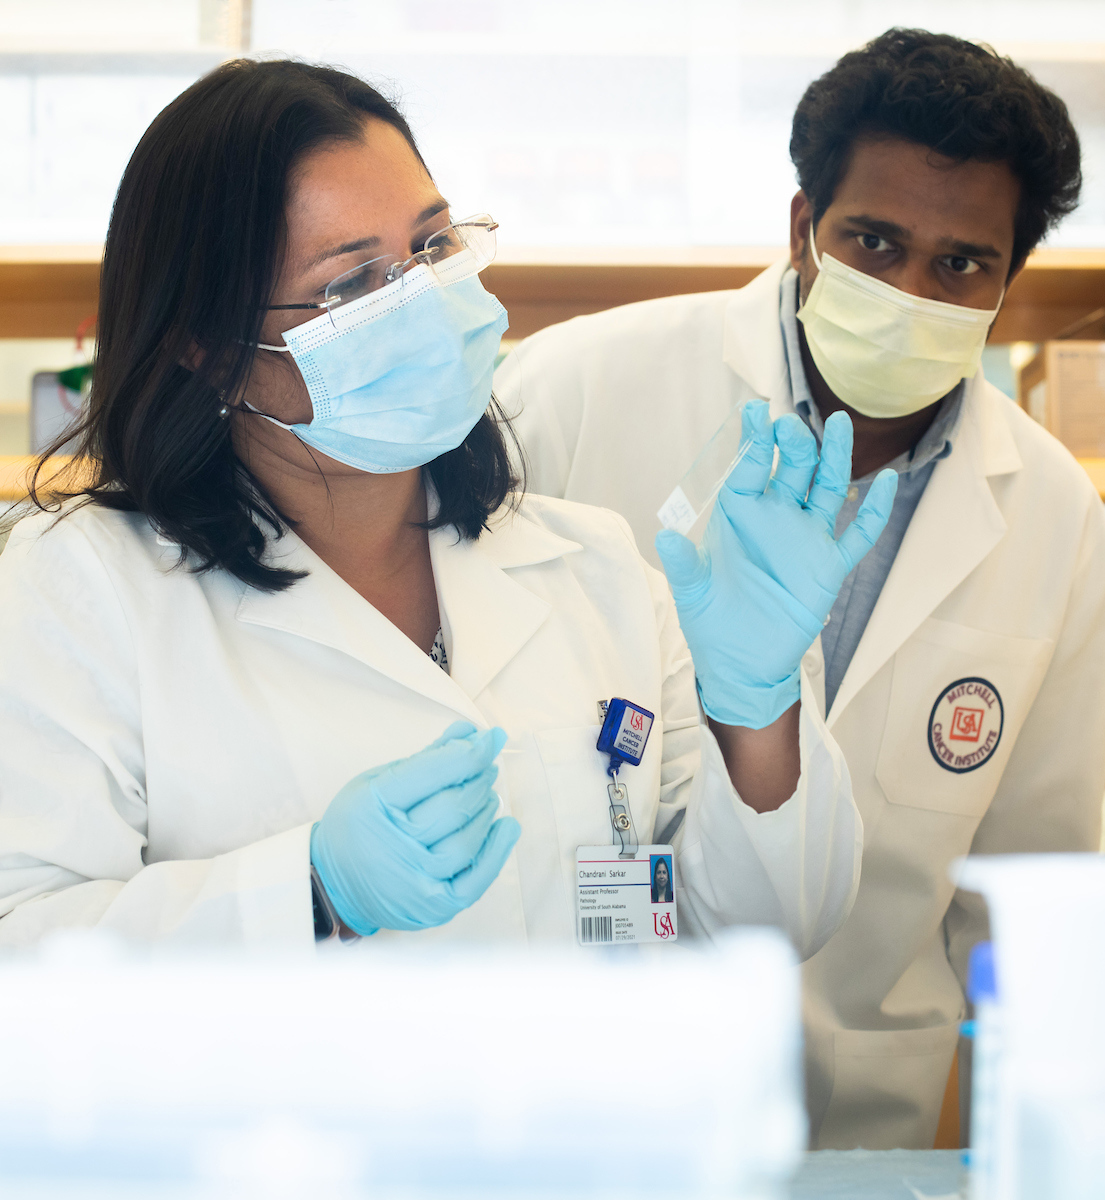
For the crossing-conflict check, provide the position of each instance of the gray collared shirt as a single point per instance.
(861, 589)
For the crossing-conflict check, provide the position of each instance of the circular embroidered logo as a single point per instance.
(965, 724)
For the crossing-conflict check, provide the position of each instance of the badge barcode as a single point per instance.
(596, 929)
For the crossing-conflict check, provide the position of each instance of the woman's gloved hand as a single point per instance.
(410, 844)
(757, 593)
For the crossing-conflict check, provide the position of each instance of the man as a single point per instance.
(963, 662)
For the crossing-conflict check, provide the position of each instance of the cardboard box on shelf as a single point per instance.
(1063, 388)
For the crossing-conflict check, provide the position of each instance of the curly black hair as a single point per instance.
(962, 100)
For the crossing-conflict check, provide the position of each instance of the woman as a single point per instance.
(661, 881)
(221, 666)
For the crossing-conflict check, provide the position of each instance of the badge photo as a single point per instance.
(965, 724)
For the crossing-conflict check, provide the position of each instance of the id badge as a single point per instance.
(622, 900)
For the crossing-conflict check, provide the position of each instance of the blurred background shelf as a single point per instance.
(49, 292)
(15, 474)
(46, 291)
(1095, 468)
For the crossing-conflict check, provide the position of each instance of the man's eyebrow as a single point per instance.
(886, 229)
(371, 243)
(949, 245)
(970, 249)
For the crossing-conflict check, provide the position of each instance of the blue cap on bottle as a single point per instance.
(981, 981)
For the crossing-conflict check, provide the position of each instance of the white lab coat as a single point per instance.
(168, 738)
(1001, 576)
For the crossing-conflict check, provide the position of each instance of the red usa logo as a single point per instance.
(965, 724)
(662, 925)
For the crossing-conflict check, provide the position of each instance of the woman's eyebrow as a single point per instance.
(367, 243)
(431, 210)
(371, 243)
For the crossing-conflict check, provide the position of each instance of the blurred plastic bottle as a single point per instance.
(986, 1029)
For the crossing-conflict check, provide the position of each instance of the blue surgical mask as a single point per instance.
(402, 375)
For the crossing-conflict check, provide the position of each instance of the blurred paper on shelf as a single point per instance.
(377, 1072)
(1047, 915)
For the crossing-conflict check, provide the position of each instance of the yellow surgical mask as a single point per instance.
(882, 351)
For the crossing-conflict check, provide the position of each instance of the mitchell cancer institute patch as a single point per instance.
(965, 724)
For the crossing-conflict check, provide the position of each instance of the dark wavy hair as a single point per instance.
(961, 100)
(193, 251)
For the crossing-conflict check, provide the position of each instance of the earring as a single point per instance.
(224, 412)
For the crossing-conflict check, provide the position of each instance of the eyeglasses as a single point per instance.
(474, 234)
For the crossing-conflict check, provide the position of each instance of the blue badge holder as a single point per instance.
(623, 737)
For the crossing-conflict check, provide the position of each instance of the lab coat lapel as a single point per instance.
(956, 525)
(752, 345)
(324, 609)
(488, 615)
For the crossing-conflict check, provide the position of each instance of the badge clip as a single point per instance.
(623, 737)
(621, 819)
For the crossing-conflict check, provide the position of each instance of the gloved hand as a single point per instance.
(752, 600)
(410, 844)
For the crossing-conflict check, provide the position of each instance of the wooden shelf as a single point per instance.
(15, 471)
(1095, 468)
(46, 291)
(15, 475)
(1055, 288)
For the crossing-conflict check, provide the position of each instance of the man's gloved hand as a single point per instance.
(756, 594)
(410, 844)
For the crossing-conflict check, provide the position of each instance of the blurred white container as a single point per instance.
(1047, 914)
(370, 1072)
(54, 408)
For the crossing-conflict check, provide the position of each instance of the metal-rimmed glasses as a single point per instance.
(474, 234)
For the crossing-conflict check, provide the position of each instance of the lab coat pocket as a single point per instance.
(575, 773)
(887, 1082)
(531, 794)
(958, 699)
(573, 787)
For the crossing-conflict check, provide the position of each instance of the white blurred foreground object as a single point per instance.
(374, 1072)
(716, 461)
(1047, 915)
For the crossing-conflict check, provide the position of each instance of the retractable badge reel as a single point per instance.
(625, 891)
(624, 735)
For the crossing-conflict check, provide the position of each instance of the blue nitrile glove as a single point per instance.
(757, 593)
(410, 844)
